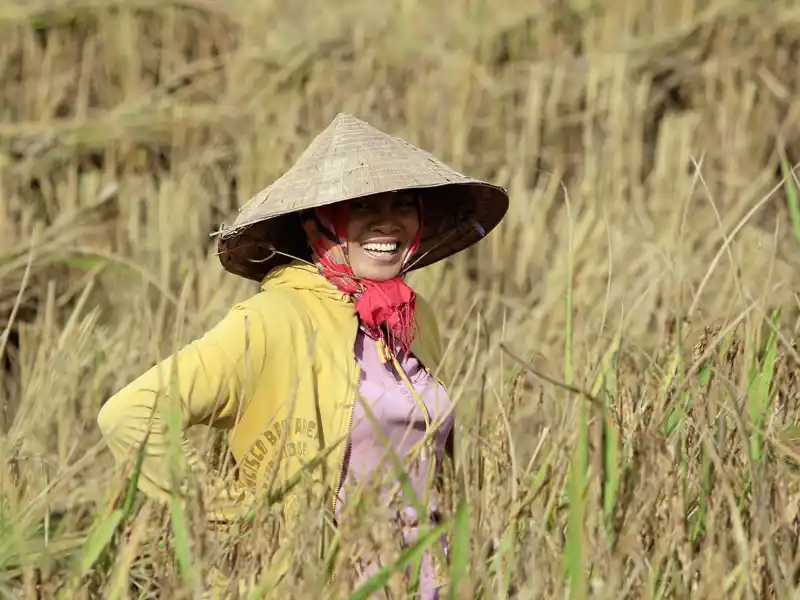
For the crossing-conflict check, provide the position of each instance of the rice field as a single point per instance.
(623, 347)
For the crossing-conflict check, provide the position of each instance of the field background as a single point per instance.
(651, 238)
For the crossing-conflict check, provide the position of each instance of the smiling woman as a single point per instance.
(336, 357)
(381, 231)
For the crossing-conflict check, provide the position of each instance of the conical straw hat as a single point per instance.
(352, 159)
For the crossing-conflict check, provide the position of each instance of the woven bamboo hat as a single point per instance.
(352, 159)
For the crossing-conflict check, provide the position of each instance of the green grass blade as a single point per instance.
(759, 399)
(104, 530)
(414, 552)
(574, 555)
(792, 200)
(681, 405)
(98, 541)
(575, 544)
(83, 262)
(181, 539)
(459, 552)
(606, 384)
(611, 464)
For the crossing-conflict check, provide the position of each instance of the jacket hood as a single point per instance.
(299, 275)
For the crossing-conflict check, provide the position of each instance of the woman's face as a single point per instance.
(380, 230)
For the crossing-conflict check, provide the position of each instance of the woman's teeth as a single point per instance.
(381, 248)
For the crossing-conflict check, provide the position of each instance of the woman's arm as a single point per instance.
(214, 378)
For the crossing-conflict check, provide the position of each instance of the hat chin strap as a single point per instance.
(419, 257)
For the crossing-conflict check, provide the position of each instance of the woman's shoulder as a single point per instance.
(270, 312)
(273, 304)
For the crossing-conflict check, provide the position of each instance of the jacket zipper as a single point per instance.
(349, 427)
(339, 482)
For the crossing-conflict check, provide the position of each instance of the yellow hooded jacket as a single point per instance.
(278, 372)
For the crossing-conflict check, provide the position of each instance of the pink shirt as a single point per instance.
(403, 424)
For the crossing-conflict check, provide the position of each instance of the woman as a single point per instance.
(336, 358)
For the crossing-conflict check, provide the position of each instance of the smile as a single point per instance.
(381, 250)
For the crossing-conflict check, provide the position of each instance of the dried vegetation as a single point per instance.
(623, 345)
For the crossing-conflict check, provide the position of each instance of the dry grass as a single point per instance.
(649, 242)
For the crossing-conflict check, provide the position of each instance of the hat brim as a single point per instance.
(457, 216)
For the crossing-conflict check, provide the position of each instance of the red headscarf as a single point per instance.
(385, 308)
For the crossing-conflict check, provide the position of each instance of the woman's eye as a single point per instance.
(406, 203)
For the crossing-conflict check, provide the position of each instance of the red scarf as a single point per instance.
(384, 307)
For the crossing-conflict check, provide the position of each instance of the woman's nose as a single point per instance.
(384, 224)
(383, 217)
